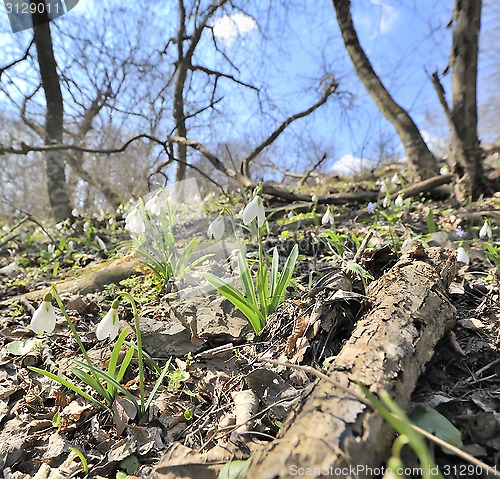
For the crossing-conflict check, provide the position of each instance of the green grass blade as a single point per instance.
(158, 383)
(147, 358)
(262, 285)
(107, 377)
(115, 354)
(246, 279)
(284, 278)
(69, 385)
(274, 272)
(125, 364)
(253, 315)
(91, 381)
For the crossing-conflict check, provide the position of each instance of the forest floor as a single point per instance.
(49, 431)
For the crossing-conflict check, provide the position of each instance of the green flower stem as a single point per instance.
(70, 324)
(140, 360)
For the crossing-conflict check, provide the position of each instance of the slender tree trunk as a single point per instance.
(54, 160)
(466, 154)
(419, 156)
(180, 81)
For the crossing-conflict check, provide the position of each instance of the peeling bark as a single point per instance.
(337, 435)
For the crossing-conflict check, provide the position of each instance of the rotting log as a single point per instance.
(333, 434)
(90, 279)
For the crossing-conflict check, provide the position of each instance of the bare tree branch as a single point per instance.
(245, 164)
(16, 62)
(218, 74)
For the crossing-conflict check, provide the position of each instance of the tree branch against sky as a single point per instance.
(249, 73)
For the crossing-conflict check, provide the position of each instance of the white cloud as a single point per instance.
(388, 18)
(380, 19)
(349, 165)
(229, 27)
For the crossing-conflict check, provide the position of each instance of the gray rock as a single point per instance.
(189, 322)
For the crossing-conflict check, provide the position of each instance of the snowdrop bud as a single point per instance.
(101, 244)
(254, 209)
(290, 215)
(383, 188)
(327, 217)
(395, 179)
(462, 256)
(134, 222)
(399, 201)
(216, 228)
(109, 324)
(485, 230)
(444, 170)
(314, 198)
(156, 204)
(44, 318)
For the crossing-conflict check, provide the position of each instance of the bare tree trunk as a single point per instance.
(54, 160)
(466, 154)
(180, 81)
(419, 156)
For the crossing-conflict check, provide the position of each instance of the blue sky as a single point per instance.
(403, 39)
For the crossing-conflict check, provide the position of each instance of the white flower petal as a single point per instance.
(399, 201)
(134, 222)
(216, 228)
(44, 318)
(108, 325)
(485, 230)
(462, 255)
(250, 211)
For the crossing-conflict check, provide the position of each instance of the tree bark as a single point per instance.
(466, 154)
(336, 435)
(419, 156)
(180, 81)
(54, 160)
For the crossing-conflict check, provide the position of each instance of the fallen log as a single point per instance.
(90, 279)
(334, 434)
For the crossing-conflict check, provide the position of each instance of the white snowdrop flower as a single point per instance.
(156, 204)
(87, 226)
(386, 202)
(44, 318)
(254, 209)
(291, 215)
(216, 228)
(462, 256)
(485, 230)
(395, 179)
(406, 242)
(399, 201)
(51, 248)
(71, 245)
(101, 244)
(108, 325)
(383, 188)
(444, 170)
(314, 198)
(327, 217)
(75, 213)
(134, 222)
